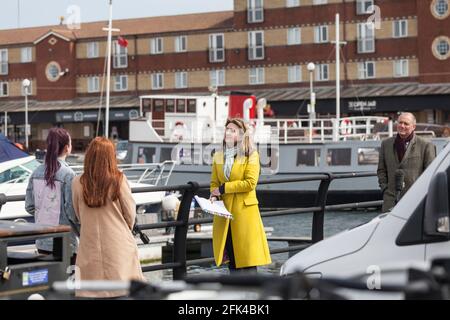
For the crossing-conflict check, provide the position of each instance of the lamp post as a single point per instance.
(213, 90)
(312, 103)
(26, 84)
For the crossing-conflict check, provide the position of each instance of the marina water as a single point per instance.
(285, 226)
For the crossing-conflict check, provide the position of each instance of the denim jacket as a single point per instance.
(53, 206)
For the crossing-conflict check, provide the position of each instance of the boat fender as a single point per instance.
(346, 127)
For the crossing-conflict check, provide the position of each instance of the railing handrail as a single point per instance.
(182, 223)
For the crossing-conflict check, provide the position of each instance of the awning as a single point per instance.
(75, 104)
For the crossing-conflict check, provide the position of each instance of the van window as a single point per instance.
(308, 157)
(339, 157)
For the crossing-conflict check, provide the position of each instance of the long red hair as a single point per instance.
(101, 177)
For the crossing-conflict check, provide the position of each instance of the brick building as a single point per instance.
(261, 47)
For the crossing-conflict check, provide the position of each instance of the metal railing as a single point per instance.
(180, 263)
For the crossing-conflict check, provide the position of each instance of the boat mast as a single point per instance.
(108, 71)
(338, 80)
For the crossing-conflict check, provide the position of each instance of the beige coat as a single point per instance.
(107, 250)
(419, 154)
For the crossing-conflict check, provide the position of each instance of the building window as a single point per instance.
(316, 2)
(293, 36)
(256, 45)
(93, 84)
(4, 89)
(292, 3)
(120, 56)
(401, 68)
(217, 78)
(121, 83)
(181, 80)
(26, 55)
(181, 44)
(366, 70)
(362, 6)
(3, 61)
(400, 28)
(366, 37)
(322, 72)
(92, 49)
(216, 48)
(157, 81)
(294, 74)
(255, 11)
(53, 71)
(439, 8)
(256, 76)
(156, 46)
(321, 34)
(441, 48)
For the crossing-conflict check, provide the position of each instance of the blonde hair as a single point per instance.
(246, 146)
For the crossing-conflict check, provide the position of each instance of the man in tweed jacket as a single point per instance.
(405, 152)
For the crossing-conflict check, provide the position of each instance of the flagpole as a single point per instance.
(108, 72)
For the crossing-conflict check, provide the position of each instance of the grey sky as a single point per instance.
(47, 12)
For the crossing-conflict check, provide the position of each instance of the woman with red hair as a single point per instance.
(104, 205)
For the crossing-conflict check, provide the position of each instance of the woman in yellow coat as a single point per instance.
(234, 177)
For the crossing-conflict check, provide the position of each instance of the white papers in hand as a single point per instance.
(216, 208)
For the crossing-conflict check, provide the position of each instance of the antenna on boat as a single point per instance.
(338, 79)
(108, 71)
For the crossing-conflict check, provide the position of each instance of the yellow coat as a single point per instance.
(249, 239)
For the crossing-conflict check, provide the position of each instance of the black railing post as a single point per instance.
(180, 238)
(319, 216)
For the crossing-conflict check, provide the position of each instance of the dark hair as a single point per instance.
(57, 140)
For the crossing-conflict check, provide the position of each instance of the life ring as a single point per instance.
(346, 127)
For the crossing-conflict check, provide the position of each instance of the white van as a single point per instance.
(414, 233)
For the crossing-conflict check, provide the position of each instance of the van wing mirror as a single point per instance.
(437, 213)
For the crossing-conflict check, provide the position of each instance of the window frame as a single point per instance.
(181, 44)
(181, 80)
(253, 11)
(91, 81)
(214, 50)
(259, 76)
(156, 45)
(4, 66)
(294, 36)
(364, 42)
(92, 50)
(120, 53)
(254, 47)
(121, 82)
(159, 83)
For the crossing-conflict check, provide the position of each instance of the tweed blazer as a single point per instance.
(419, 154)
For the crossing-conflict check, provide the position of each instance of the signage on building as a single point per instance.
(92, 115)
(362, 105)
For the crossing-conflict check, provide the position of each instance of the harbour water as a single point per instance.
(292, 225)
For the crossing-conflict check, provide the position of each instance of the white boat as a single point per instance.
(14, 176)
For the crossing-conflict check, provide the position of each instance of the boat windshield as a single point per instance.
(19, 173)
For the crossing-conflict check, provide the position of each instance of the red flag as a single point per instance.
(122, 42)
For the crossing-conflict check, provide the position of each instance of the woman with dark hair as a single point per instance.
(49, 192)
(235, 173)
(105, 207)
